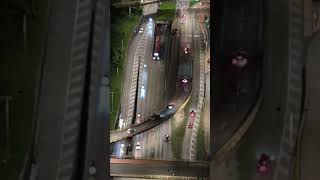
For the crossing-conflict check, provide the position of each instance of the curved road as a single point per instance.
(148, 124)
(191, 36)
(310, 146)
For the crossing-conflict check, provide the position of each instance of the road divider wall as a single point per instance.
(132, 36)
(193, 144)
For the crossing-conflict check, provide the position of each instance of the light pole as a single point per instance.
(111, 101)
(121, 57)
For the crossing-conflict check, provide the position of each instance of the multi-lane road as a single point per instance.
(191, 35)
(148, 138)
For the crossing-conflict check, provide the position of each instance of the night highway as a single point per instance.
(141, 89)
(167, 77)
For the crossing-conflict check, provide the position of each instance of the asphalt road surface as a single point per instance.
(269, 120)
(191, 36)
(152, 99)
(125, 97)
(162, 87)
(230, 106)
(310, 146)
(264, 136)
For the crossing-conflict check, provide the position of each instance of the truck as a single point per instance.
(156, 48)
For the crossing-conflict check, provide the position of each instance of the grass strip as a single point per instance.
(200, 150)
(166, 11)
(192, 2)
(177, 133)
(121, 27)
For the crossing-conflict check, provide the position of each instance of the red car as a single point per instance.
(264, 164)
(192, 115)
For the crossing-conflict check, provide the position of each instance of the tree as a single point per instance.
(116, 58)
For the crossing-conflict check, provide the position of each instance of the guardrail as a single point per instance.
(128, 3)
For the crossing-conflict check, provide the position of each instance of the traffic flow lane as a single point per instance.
(148, 105)
(148, 27)
(194, 57)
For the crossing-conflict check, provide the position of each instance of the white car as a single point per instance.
(122, 145)
(170, 106)
(131, 130)
(141, 30)
(138, 147)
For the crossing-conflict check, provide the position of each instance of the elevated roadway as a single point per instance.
(135, 167)
(151, 122)
(125, 3)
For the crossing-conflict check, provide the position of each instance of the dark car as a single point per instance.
(174, 31)
(187, 49)
(166, 138)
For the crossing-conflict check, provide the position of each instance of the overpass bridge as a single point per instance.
(126, 3)
(151, 122)
(159, 169)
